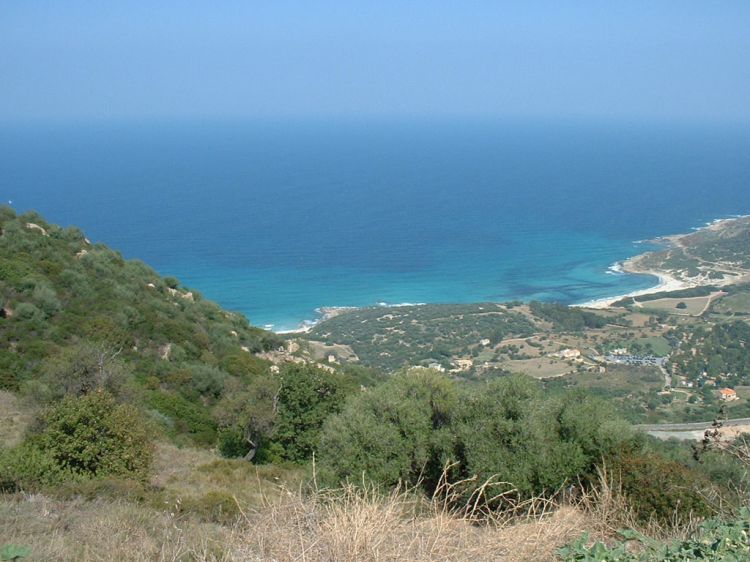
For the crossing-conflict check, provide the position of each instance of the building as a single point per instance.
(462, 365)
(727, 394)
(570, 354)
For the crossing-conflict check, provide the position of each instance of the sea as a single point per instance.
(277, 219)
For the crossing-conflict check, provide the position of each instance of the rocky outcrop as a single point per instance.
(187, 295)
(37, 228)
(165, 351)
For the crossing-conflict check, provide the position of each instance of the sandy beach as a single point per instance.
(325, 313)
(667, 281)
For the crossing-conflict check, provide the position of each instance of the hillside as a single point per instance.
(71, 309)
(130, 402)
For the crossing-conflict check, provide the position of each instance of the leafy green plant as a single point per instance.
(14, 552)
(716, 540)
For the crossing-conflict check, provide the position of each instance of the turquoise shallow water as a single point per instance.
(278, 219)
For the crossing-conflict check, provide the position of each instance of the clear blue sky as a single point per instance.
(651, 59)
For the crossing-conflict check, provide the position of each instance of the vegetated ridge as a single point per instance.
(135, 404)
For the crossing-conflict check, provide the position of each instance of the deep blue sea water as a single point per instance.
(277, 219)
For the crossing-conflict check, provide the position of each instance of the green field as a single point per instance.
(693, 305)
(732, 304)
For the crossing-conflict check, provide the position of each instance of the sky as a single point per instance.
(680, 60)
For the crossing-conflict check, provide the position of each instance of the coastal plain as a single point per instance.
(627, 347)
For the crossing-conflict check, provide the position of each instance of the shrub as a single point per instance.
(207, 380)
(215, 506)
(408, 428)
(47, 299)
(716, 540)
(399, 431)
(245, 365)
(28, 312)
(232, 443)
(187, 417)
(79, 369)
(27, 467)
(93, 436)
(14, 552)
(661, 489)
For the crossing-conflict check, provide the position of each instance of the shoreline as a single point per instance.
(327, 312)
(667, 282)
(324, 313)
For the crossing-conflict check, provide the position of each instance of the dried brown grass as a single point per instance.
(187, 475)
(349, 524)
(361, 526)
(106, 530)
(15, 417)
(353, 523)
(360, 523)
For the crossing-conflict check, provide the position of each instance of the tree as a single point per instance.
(399, 431)
(248, 411)
(79, 369)
(308, 395)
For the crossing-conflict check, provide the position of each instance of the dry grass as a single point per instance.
(106, 530)
(350, 525)
(362, 525)
(282, 524)
(190, 474)
(15, 417)
(694, 305)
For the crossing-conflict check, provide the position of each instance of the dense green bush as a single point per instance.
(307, 396)
(90, 436)
(661, 489)
(94, 436)
(28, 467)
(207, 380)
(232, 443)
(536, 443)
(566, 318)
(399, 431)
(280, 416)
(408, 428)
(186, 417)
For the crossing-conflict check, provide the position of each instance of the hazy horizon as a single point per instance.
(592, 61)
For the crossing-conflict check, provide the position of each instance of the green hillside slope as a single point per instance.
(72, 311)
